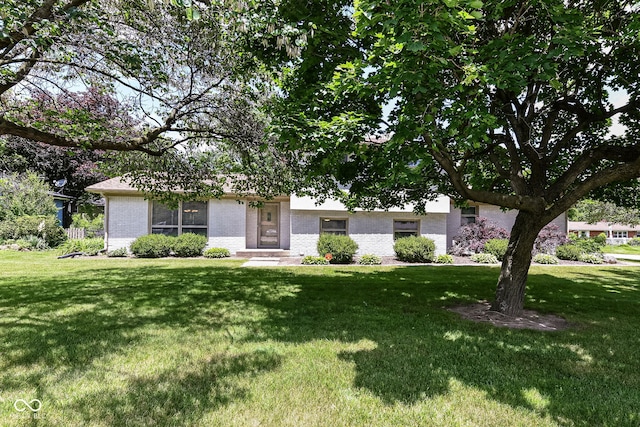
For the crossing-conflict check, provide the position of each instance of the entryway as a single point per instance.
(269, 226)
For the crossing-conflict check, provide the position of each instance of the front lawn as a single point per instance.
(621, 249)
(180, 342)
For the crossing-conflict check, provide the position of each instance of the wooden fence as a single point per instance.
(75, 233)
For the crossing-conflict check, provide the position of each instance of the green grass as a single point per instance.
(621, 249)
(180, 342)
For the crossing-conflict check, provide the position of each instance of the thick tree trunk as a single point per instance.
(515, 265)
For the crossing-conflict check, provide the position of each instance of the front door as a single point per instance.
(269, 226)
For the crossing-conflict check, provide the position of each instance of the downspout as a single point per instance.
(106, 223)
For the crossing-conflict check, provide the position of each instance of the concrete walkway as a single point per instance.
(262, 262)
(626, 256)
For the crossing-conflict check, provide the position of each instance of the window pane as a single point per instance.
(162, 215)
(405, 225)
(467, 220)
(471, 210)
(333, 225)
(194, 213)
(167, 231)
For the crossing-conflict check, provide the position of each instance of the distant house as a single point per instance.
(616, 233)
(286, 225)
(63, 205)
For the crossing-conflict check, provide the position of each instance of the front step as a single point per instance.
(259, 253)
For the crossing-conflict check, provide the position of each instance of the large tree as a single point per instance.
(503, 102)
(173, 66)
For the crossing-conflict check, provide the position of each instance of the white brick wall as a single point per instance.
(128, 218)
(227, 222)
(373, 231)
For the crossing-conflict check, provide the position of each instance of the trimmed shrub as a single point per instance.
(315, 260)
(118, 253)
(152, 246)
(591, 258)
(341, 248)
(189, 245)
(472, 237)
(370, 259)
(444, 259)
(496, 247)
(415, 249)
(569, 252)
(217, 253)
(89, 247)
(545, 259)
(484, 258)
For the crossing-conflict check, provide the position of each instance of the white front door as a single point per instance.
(269, 226)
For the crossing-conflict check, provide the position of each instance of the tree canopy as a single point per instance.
(503, 102)
(183, 94)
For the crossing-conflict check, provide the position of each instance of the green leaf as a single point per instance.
(416, 46)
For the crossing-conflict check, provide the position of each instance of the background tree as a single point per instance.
(24, 195)
(508, 103)
(593, 211)
(173, 67)
(77, 166)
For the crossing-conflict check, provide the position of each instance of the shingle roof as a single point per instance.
(598, 226)
(113, 185)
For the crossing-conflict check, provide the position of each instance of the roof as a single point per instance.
(120, 185)
(599, 226)
(113, 185)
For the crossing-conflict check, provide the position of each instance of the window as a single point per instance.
(333, 226)
(188, 217)
(583, 233)
(468, 215)
(619, 234)
(405, 228)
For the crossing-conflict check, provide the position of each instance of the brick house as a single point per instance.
(616, 233)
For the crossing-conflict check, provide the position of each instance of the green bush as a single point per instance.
(43, 227)
(90, 246)
(600, 239)
(341, 248)
(588, 245)
(496, 247)
(118, 253)
(591, 258)
(31, 243)
(217, 253)
(569, 252)
(545, 259)
(93, 226)
(315, 260)
(483, 258)
(189, 245)
(444, 259)
(370, 259)
(415, 249)
(152, 246)
(634, 242)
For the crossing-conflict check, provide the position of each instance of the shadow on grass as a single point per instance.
(69, 322)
